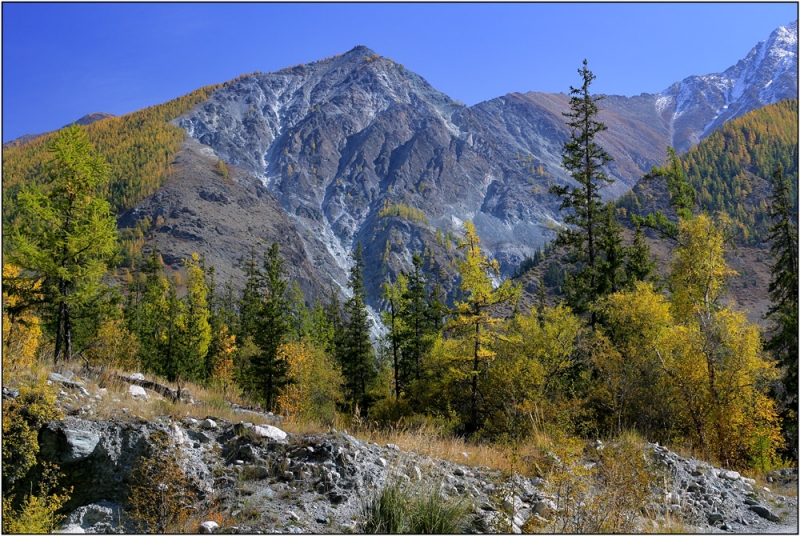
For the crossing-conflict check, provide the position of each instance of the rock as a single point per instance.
(208, 424)
(293, 515)
(67, 382)
(269, 432)
(208, 527)
(137, 391)
(392, 446)
(137, 376)
(765, 513)
(71, 529)
(545, 508)
(97, 518)
(715, 517)
(382, 462)
(80, 444)
(729, 475)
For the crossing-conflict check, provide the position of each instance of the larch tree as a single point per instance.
(475, 316)
(65, 237)
(584, 159)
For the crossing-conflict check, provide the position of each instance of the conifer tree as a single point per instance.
(584, 159)
(271, 327)
(610, 267)
(196, 328)
(681, 197)
(421, 319)
(783, 288)
(393, 295)
(250, 300)
(354, 349)
(639, 266)
(65, 237)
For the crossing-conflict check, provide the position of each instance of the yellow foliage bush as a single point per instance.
(315, 384)
(38, 513)
(21, 332)
(161, 497)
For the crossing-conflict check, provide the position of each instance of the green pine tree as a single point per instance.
(268, 369)
(584, 159)
(354, 349)
(783, 313)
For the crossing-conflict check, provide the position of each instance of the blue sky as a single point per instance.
(64, 60)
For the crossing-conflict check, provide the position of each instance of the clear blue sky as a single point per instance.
(64, 60)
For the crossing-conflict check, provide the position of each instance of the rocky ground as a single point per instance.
(264, 480)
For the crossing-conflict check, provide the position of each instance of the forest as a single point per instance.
(619, 350)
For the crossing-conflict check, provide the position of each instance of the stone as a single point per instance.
(729, 475)
(269, 432)
(715, 517)
(71, 529)
(392, 446)
(764, 512)
(208, 527)
(545, 508)
(102, 517)
(293, 515)
(137, 391)
(80, 445)
(137, 376)
(208, 424)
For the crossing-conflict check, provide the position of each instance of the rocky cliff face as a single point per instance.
(346, 142)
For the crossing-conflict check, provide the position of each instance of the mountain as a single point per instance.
(353, 145)
(356, 147)
(87, 119)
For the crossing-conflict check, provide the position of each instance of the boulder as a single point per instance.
(80, 445)
(269, 432)
(96, 518)
(208, 527)
(764, 512)
(137, 391)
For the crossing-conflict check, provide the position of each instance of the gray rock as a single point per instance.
(137, 376)
(208, 527)
(80, 445)
(96, 518)
(208, 424)
(269, 432)
(764, 512)
(137, 391)
(715, 517)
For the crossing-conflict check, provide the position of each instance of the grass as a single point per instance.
(414, 509)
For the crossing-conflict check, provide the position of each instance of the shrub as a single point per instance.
(38, 513)
(161, 499)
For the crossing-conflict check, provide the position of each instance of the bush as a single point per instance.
(161, 499)
(601, 489)
(38, 513)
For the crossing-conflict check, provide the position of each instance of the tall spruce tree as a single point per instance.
(783, 312)
(268, 368)
(65, 238)
(421, 318)
(354, 349)
(584, 159)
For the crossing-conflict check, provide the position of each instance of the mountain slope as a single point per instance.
(338, 141)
